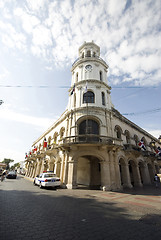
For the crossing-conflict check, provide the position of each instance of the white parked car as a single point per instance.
(47, 179)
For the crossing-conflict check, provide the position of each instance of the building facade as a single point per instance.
(92, 144)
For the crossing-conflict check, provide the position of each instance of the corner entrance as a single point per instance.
(88, 172)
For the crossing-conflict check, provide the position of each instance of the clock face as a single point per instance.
(88, 67)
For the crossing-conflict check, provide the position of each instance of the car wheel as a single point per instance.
(34, 183)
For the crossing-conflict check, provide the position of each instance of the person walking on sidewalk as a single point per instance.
(156, 180)
(3, 176)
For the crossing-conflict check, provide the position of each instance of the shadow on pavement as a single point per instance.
(146, 190)
(27, 212)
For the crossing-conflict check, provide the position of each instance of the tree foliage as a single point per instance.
(7, 161)
(16, 165)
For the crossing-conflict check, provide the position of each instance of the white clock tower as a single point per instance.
(89, 79)
(90, 93)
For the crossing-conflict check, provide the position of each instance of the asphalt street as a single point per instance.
(28, 212)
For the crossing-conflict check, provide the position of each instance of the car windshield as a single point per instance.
(49, 175)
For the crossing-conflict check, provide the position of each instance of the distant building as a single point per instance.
(92, 144)
(3, 166)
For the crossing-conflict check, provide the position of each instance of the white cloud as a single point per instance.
(40, 122)
(115, 7)
(129, 38)
(36, 5)
(28, 21)
(42, 36)
(155, 133)
(4, 73)
(11, 153)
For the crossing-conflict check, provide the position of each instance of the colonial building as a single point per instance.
(92, 144)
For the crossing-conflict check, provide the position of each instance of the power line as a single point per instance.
(49, 86)
(31, 86)
(143, 112)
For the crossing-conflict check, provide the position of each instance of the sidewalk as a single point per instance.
(137, 201)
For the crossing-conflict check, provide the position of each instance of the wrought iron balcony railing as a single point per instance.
(90, 138)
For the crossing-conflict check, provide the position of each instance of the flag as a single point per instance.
(73, 90)
(35, 149)
(158, 151)
(45, 143)
(141, 144)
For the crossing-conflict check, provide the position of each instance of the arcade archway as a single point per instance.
(88, 172)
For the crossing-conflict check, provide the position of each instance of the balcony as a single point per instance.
(138, 150)
(88, 58)
(90, 139)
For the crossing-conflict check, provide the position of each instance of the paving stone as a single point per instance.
(28, 212)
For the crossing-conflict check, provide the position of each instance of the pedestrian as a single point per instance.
(156, 180)
(3, 176)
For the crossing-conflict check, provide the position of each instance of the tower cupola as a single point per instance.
(89, 49)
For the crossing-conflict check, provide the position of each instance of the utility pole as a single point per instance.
(1, 101)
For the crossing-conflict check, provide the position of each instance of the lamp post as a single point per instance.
(153, 143)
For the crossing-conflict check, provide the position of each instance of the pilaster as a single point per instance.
(72, 174)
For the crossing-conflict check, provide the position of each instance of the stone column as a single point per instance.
(57, 168)
(137, 178)
(27, 172)
(51, 164)
(65, 179)
(43, 166)
(38, 167)
(117, 174)
(146, 176)
(126, 177)
(72, 174)
(34, 169)
(62, 168)
(31, 169)
(112, 171)
(105, 175)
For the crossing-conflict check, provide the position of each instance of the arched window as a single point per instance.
(74, 100)
(101, 78)
(127, 135)
(144, 140)
(89, 126)
(94, 54)
(39, 146)
(55, 137)
(103, 98)
(88, 53)
(49, 140)
(118, 132)
(136, 139)
(83, 55)
(76, 77)
(88, 97)
(61, 133)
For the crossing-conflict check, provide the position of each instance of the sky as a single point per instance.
(39, 41)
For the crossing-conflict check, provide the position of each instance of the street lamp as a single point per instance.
(152, 143)
(159, 138)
